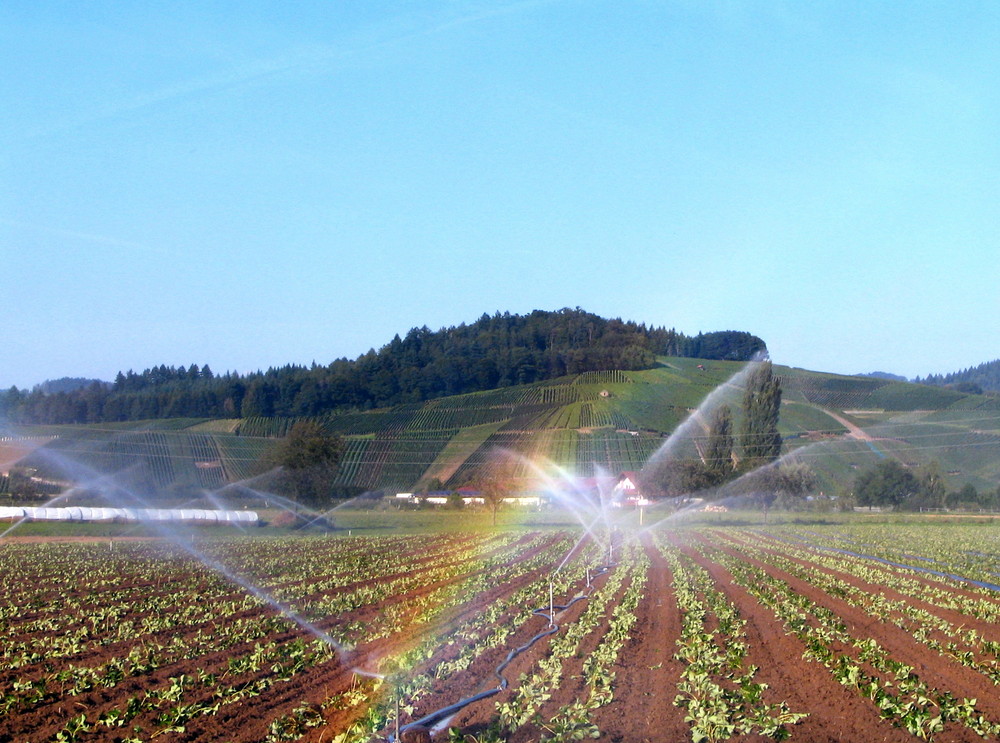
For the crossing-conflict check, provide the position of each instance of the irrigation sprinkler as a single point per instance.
(552, 613)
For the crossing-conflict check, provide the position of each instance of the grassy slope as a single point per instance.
(597, 421)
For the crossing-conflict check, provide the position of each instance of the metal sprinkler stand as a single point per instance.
(552, 613)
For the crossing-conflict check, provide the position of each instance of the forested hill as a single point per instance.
(982, 378)
(495, 351)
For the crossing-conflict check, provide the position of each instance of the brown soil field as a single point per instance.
(694, 633)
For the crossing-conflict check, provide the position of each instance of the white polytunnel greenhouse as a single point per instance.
(81, 513)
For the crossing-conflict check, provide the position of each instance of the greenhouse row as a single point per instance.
(81, 513)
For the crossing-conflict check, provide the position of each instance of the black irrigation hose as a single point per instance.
(433, 718)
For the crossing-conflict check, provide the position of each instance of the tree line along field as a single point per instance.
(685, 631)
(493, 352)
(610, 421)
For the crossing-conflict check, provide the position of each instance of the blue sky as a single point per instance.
(248, 185)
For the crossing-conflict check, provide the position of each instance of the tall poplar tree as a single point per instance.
(719, 451)
(760, 440)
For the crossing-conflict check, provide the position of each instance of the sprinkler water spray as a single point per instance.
(585, 509)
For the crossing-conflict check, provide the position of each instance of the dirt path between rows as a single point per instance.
(646, 673)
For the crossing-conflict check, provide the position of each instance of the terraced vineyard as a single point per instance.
(842, 393)
(158, 457)
(690, 632)
(594, 422)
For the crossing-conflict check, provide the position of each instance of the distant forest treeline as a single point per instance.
(982, 378)
(495, 351)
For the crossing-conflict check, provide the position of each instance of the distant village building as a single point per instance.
(627, 491)
(469, 496)
(622, 491)
(628, 484)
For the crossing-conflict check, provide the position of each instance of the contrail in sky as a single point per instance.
(316, 60)
(111, 242)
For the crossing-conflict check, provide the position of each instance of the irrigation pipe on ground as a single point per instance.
(435, 717)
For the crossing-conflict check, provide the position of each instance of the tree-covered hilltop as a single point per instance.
(495, 351)
(66, 384)
(974, 380)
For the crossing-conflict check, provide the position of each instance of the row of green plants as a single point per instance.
(161, 571)
(953, 642)
(718, 690)
(573, 721)
(856, 660)
(87, 621)
(535, 687)
(961, 549)
(80, 627)
(938, 590)
(358, 591)
(429, 665)
(451, 646)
